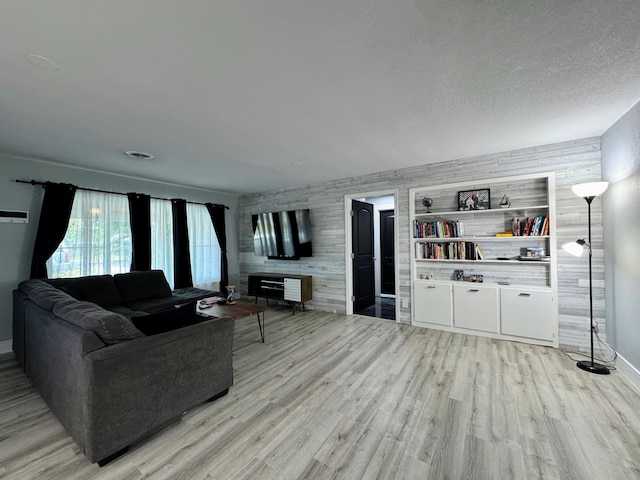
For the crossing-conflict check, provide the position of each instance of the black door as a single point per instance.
(387, 253)
(362, 244)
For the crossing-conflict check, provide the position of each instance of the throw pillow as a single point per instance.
(167, 320)
(98, 289)
(138, 286)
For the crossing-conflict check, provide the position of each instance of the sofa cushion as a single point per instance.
(109, 326)
(43, 294)
(193, 293)
(137, 286)
(155, 305)
(98, 289)
(126, 312)
(168, 320)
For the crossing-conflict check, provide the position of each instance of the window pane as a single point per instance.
(162, 238)
(203, 247)
(98, 239)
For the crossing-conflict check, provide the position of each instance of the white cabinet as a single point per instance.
(527, 313)
(476, 307)
(433, 303)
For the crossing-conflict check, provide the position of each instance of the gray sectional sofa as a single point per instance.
(108, 383)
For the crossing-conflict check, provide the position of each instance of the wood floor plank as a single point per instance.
(329, 396)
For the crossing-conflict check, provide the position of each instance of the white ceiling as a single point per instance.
(252, 95)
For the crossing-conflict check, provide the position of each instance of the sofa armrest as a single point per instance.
(134, 387)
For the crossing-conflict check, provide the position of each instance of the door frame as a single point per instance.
(348, 239)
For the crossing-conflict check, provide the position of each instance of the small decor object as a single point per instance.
(474, 199)
(536, 252)
(476, 277)
(533, 254)
(505, 202)
(458, 275)
(231, 291)
(427, 202)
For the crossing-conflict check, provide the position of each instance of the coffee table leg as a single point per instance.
(261, 326)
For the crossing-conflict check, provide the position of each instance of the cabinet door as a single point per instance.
(292, 289)
(433, 304)
(527, 313)
(476, 307)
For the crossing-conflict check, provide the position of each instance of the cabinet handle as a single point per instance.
(473, 290)
(431, 286)
(524, 294)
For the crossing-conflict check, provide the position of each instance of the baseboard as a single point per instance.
(6, 346)
(629, 371)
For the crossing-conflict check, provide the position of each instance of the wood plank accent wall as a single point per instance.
(573, 162)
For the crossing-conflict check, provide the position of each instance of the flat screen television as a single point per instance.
(282, 235)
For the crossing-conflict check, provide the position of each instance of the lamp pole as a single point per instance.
(591, 366)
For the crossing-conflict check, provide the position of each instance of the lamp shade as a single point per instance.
(590, 189)
(574, 248)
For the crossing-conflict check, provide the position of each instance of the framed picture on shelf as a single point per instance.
(474, 199)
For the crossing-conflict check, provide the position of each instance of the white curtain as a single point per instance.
(203, 248)
(162, 238)
(98, 239)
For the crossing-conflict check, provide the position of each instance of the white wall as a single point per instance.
(16, 240)
(621, 167)
(573, 162)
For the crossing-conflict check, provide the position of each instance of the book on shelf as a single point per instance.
(438, 229)
(449, 251)
(515, 227)
(528, 227)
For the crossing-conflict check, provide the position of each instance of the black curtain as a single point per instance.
(216, 212)
(140, 221)
(181, 259)
(52, 226)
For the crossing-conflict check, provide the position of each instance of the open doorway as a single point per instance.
(371, 252)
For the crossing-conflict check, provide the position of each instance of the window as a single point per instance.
(204, 248)
(162, 238)
(98, 239)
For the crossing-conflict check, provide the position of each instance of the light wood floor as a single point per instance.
(330, 396)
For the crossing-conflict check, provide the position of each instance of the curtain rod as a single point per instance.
(36, 182)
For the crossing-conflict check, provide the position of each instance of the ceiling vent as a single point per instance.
(139, 155)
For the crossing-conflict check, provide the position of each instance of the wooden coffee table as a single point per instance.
(236, 311)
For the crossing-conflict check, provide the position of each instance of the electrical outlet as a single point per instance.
(405, 302)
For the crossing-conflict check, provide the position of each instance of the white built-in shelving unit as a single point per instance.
(517, 299)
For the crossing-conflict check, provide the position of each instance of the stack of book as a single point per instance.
(534, 226)
(449, 251)
(438, 229)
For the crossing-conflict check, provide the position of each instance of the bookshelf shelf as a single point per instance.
(496, 261)
(517, 238)
(446, 241)
(491, 211)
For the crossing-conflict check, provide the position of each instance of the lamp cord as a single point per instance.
(602, 342)
(609, 362)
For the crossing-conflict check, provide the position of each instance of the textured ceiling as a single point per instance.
(253, 95)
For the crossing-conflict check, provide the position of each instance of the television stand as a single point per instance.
(292, 289)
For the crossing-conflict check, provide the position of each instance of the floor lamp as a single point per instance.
(588, 191)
